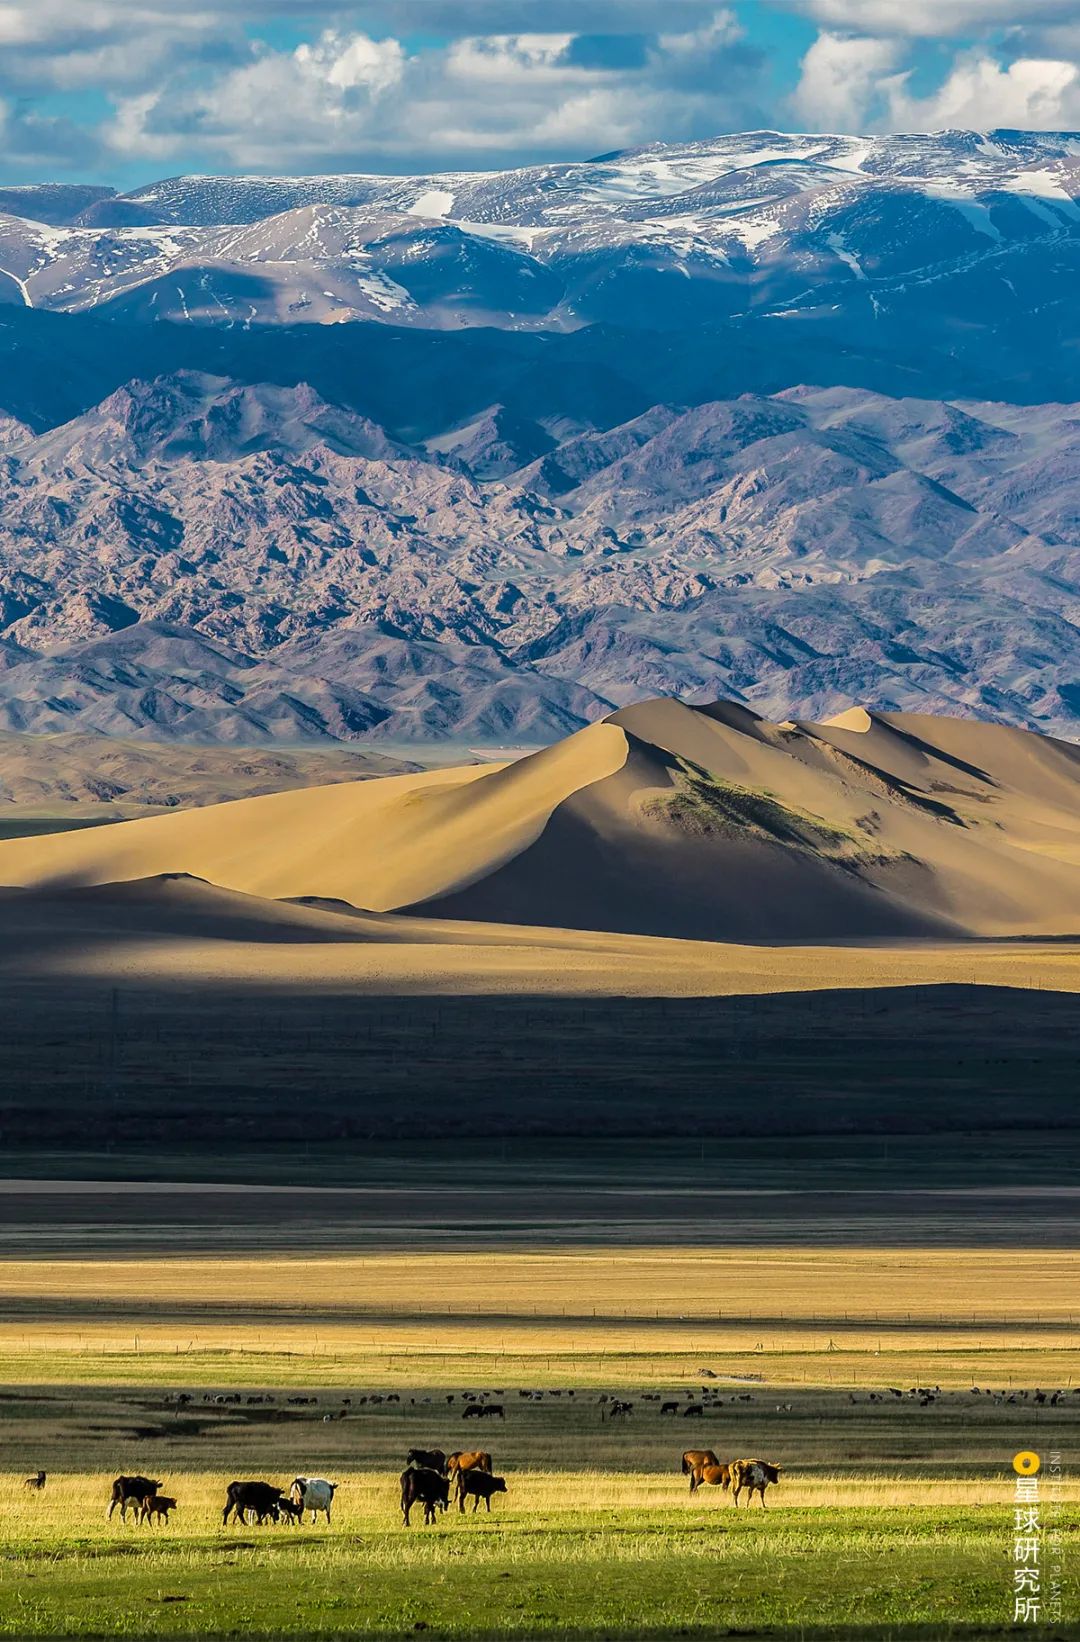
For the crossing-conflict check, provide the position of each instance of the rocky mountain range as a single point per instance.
(785, 419)
(194, 557)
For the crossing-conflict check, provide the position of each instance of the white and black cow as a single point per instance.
(313, 1494)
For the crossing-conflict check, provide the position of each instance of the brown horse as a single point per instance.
(695, 1457)
(478, 1460)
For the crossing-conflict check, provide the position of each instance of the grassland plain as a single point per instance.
(892, 1519)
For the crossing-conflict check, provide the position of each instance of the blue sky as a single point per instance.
(122, 91)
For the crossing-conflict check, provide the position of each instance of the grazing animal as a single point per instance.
(712, 1476)
(433, 1459)
(260, 1497)
(37, 1482)
(158, 1505)
(131, 1491)
(480, 1485)
(289, 1511)
(476, 1461)
(695, 1457)
(313, 1494)
(494, 1411)
(667, 1408)
(619, 1410)
(473, 1411)
(422, 1486)
(694, 1412)
(753, 1475)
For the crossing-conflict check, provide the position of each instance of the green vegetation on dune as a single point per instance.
(706, 805)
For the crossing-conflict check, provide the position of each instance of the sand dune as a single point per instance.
(178, 932)
(702, 823)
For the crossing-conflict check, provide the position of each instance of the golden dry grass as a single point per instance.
(797, 1316)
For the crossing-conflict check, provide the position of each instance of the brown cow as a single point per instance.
(712, 1476)
(158, 1505)
(753, 1475)
(478, 1460)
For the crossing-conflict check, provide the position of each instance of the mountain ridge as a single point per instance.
(212, 560)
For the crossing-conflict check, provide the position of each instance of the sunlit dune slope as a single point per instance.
(378, 844)
(703, 822)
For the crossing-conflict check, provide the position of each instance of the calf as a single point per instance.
(131, 1491)
(37, 1482)
(158, 1505)
(262, 1498)
(480, 1485)
(313, 1494)
(753, 1475)
(422, 1486)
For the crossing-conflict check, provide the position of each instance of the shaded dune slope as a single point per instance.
(704, 822)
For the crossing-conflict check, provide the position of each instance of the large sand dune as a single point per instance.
(704, 823)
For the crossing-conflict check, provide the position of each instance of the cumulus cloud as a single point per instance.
(1033, 94)
(351, 100)
(841, 81)
(415, 85)
(935, 19)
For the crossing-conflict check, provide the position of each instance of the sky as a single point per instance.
(120, 92)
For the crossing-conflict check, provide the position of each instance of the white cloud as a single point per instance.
(840, 81)
(347, 100)
(353, 63)
(936, 19)
(979, 93)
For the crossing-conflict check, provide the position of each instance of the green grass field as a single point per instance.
(891, 1519)
(564, 1554)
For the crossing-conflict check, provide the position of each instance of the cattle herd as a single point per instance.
(429, 1476)
(432, 1478)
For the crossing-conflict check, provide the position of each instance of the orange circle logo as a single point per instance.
(1026, 1464)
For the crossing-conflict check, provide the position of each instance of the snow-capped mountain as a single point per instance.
(950, 225)
(196, 557)
(786, 419)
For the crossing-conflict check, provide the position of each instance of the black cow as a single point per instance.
(429, 1459)
(480, 1486)
(132, 1491)
(422, 1486)
(260, 1497)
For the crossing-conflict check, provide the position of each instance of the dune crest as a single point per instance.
(852, 718)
